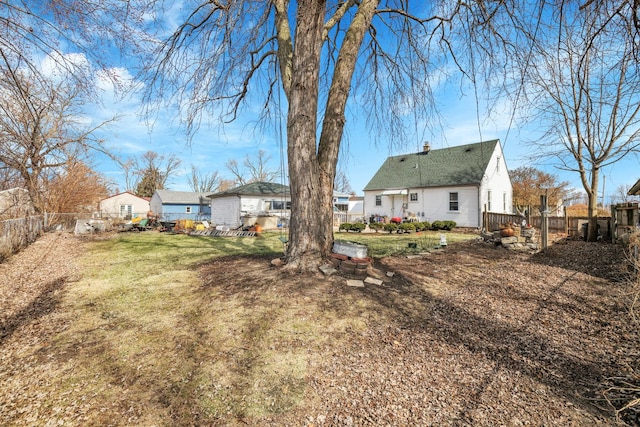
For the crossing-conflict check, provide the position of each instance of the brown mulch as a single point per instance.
(472, 335)
(484, 336)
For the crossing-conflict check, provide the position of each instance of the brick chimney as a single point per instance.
(426, 147)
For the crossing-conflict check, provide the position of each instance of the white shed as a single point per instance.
(266, 203)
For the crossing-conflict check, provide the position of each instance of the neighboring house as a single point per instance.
(124, 206)
(15, 203)
(446, 184)
(173, 205)
(356, 208)
(341, 201)
(245, 204)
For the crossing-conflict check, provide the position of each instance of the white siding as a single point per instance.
(110, 207)
(252, 204)
(498, 182)
(432, 205)
(226, 211)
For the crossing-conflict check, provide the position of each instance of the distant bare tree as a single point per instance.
(342, 184)
(255, 169)
(153, 172)
(621, 195)
(202, 183)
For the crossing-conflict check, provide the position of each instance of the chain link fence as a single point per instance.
(18, 233)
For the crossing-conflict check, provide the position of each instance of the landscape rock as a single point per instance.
(328, 270)
(355, 283)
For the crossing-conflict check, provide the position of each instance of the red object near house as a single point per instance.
(396, 219)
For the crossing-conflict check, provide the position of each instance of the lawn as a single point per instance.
(159, 329)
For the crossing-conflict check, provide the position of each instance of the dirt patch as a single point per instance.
(469, 335)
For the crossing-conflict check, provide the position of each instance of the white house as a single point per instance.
(265, 203)
(445, 184)
(124, 206)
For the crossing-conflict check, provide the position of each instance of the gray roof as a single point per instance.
(445, 167)
(255, 189)
(635, 189)
(180, 197)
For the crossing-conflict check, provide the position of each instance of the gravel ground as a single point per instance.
(480, 336)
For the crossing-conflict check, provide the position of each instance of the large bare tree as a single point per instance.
(314, 54)
(318, 54)
(581, 77)
(41, 130)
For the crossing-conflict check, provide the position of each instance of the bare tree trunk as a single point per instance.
(312, 175)
(592, 210)
(306, 232)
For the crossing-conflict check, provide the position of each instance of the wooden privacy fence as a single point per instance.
(18, 233)
(569, 225)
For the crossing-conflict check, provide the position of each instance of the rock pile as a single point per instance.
(523, 239)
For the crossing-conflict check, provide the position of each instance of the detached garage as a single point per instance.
(265, 203)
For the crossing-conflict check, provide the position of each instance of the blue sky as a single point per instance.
(215, 144)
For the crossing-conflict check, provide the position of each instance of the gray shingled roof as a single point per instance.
(635, 189)
(461, 165)
(180, 197)
(255, 189)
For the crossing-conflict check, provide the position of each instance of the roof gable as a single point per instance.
(453, 166)
(180, 197)
(129, 193)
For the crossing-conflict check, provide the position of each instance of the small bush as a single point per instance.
(421, 226)
(406, 227)
(391, 227)
(443, 225)
(376, 226)
(358, 226)
(348, 226)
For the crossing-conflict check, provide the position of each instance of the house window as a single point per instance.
(378, 200)
(188, 209)
(413, 197)
(126, 211)
(453, 201)
(489, 200)
(504, 202)
(280, 205)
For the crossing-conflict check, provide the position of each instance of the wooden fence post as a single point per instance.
(544, 228)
